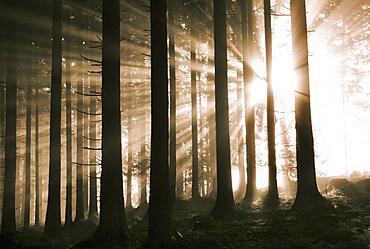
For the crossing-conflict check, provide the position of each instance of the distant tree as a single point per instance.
(85, 129)
(272, 187)
(159, 200)
(8, 224)
(53, 219)
(225, 200)
(27, 182)
(112, 223)
(307, 191)
(194, 111)
(68, 210)
(37, 161)
(247, 41)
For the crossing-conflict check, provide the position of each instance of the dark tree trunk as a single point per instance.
(8, 216)
(53, 220)
(68, 214)
(37, 162)
(80, 214)
(143, 160)
(307, 192)
(85, 152)
(27, 182)
(272, 187)
(93, 208)
(172, 54)
(225, 199)
(112, 223)
(194, 119)
(247, 41)
(159, 200)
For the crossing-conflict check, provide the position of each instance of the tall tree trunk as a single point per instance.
(172, 54)
(194, 118)
(53, 220)
(307, 192)
(112, 223)
(242, 183)
(85, 153)
(159, 200)
(143, 159)
(27, 182)
(272, 187)
(8, 216)
(247, 41)
(93, 208)
(68, 214)
(130, 163)
(80, 214)
(37, 162)
(225, 199)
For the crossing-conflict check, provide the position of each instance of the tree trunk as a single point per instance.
(8, 216)
(27, 182)
(247, 41)
(37, 162)
(85, 152)
(225, 199)
(93, 209)
(130, 163)
(80, 214)
(143, 163)
(68, 214)
(53, 220)
(159, 200)
(272, 187)
(194, 119)
(112, 223)
(307, 192)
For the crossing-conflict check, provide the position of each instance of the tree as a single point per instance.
(247, 41)
(225, 200)
(8, 216)
(307, 191)
(112, 223)
(53, 220)
(68, 210)
(172, 54)
(194, 114)
(272, 187)
(130, 162)
(159, 200)
(37, 161)
(27, 182)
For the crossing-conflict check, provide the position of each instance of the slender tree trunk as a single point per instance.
(37, 162)
(68, 214)
(242, 183)
(53, 220)
(93, 209)
(247, 41)
(80, 214)
(272, 187)
(8, 224)
(172, 54)
(194, 120)
(143, 164)
(307, 192)
(85, 152)
(112, 223)
(27, 182)
(129, 150)
(159, 200)
(225, 199)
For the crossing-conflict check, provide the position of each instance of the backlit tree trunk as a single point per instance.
(93, 209)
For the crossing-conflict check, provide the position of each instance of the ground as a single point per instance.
(344, 226)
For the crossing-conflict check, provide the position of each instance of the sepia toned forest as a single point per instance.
(185, 124)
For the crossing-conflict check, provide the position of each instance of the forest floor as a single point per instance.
(345, 226)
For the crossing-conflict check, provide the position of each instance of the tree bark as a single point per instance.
(85, 152)
(159, 200)
(53, 220)
(112, 223)
(247, 41)
(225, 201)
(272, 187)
(307, 192)
(93, 208)
(8, 224)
